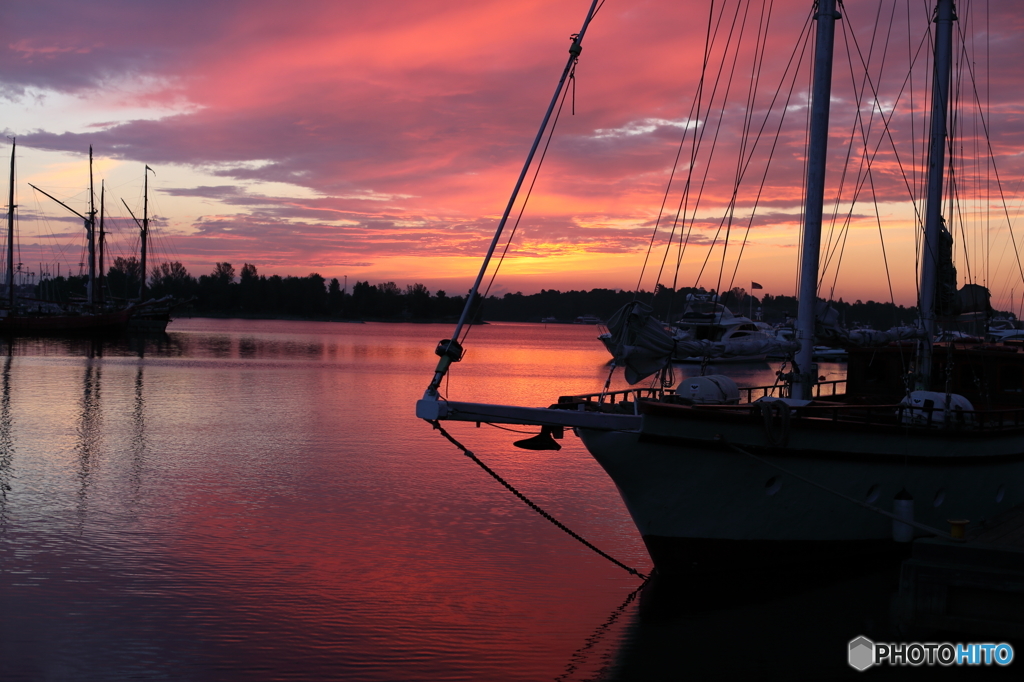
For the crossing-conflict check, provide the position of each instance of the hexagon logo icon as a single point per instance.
(862, 653)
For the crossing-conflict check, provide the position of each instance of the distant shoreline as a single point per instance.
(299, 318)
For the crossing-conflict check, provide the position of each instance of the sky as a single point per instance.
(380, 141)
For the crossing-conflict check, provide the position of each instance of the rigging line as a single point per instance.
(685, 195)
(695, 147)
(531, 504)
(721, 116)
(843, 232)
(774, 144)
(802, 41)
(764, 175)
(925, 152)
(696, 112)
(749, 159)
(522, 208)
(699, 140)
(865, 172)
(675, 164)
(709, 39)
(744, 134)
(956, 204)
(758, 64)
(731, 210)
(913, 118)
(574, 51)
(888, 132)
(803, 178)
(995, 169)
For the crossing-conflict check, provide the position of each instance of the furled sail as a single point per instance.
(640, 343)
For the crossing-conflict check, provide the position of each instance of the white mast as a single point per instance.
(945, 15)
(826, 16)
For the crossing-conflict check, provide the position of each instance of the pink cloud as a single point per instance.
(408, 121)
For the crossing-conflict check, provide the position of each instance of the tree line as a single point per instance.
(246, 293)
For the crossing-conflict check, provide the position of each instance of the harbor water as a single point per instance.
(256, 500)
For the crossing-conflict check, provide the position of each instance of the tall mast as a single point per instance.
(99, 279)
(945, 15)
(10, 235)
(826, 17)
(145, 232)
(90, 229)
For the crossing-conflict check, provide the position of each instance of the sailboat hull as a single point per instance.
(703, 506)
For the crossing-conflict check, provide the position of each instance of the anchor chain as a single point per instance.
(531, 504)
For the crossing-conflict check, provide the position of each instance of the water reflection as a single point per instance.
(6, 439)
(265, 490)
(90, 429)
(139, 442)
(128, 346)
(792, 625)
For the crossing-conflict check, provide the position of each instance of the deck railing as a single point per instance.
(748, 394)
(989, 420)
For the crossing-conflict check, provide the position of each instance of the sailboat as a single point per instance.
(719, 477)
(150, 317)
(36, 317)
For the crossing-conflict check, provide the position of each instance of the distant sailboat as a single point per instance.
(150, 317)
(36, 317)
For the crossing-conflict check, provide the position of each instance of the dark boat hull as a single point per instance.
(115, 322)
(704, 507)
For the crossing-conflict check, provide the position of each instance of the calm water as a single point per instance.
(256, 500)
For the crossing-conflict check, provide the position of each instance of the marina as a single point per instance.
(672, 480)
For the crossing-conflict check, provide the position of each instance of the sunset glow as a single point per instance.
(380, 141)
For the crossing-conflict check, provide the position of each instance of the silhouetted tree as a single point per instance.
(123, 278)
(172, 279)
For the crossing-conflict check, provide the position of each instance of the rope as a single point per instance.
(865, 505)
(531, 504)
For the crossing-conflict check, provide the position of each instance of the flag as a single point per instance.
(755, 285)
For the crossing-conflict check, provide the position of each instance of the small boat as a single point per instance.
(588, 319)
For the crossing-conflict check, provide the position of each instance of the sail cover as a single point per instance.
(640, 343)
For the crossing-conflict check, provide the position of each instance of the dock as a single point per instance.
(974, 587)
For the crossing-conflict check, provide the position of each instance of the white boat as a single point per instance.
(718, 477)
(706, 320)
